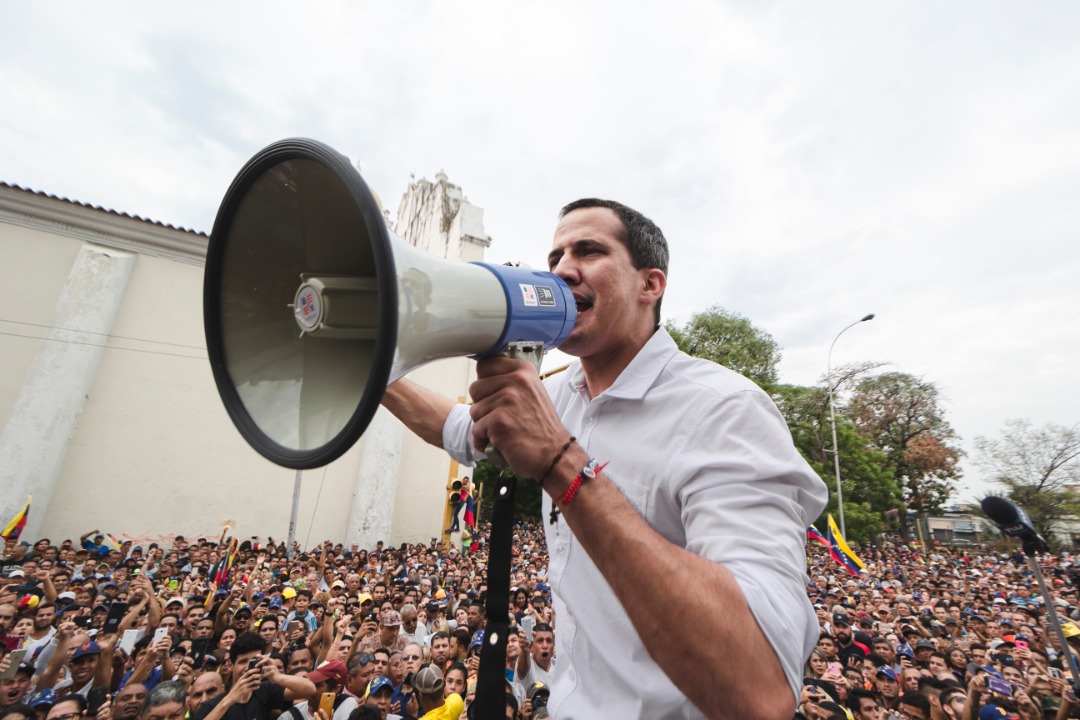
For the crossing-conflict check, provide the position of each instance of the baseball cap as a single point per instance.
(42, 698)
(333, 670)
(537, 688)
(390, 618)
(887, 672)
(925, 645)
(992, 712)
(288, 593)
(89, 648)
(379, 682)
(841, 619)
(364, 597)
(477, 641)
(429, 680)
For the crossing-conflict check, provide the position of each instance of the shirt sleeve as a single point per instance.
(746, 497)
(457, 437)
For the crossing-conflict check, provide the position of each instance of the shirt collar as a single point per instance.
(637, 377)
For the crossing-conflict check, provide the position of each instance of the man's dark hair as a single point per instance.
(947, 696)
(246, 643)
(441, 635)
(915, 700)
(366, 712)
(646, 243)
(79, 700)
(543, 627)
(929, 685)
(19, 709)
(856, 695)
(876, 660)
(305, 592)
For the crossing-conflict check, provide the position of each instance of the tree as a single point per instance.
(870, 489)
(901, 416)
(527, 495)
(1036, 466)
(729, 339)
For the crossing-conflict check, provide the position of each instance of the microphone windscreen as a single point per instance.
(1000, 510)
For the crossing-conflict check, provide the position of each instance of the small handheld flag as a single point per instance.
(15, 527)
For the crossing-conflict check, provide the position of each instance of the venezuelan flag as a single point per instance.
(15, 527)
(840, 551)
(812, 533)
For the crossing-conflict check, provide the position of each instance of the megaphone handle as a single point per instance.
(534, 353)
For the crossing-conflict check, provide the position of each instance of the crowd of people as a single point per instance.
(209, 629)
(206, 629)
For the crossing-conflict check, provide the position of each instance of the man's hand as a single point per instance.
(245, 686)
(511, 411)
(105, 711)
(65, 631)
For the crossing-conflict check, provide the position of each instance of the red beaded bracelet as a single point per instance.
(587, 473)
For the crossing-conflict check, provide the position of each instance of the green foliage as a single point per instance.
(527, 495)
(861, 522)
(729, 339)
(870, 488)
(901, 416)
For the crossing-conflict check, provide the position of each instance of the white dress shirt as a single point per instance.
(706, 458)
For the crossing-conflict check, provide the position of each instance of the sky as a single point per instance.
(809, 163)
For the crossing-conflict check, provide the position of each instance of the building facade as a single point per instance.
(109, 416)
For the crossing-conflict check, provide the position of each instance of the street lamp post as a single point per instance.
(832, 421)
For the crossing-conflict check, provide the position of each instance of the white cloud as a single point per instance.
(808, 162)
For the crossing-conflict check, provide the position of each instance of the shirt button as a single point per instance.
(590, 422)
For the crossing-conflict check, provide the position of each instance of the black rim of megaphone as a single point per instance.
(386, 340)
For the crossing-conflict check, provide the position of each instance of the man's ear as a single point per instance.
(654, 282)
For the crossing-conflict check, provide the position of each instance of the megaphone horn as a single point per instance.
(312, 306)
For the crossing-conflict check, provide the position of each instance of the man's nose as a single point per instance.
(567, 269)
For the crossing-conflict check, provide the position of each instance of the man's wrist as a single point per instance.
(564, 471)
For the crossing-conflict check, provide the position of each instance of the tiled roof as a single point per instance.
(38, 193)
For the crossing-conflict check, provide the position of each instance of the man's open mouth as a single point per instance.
(582, 304)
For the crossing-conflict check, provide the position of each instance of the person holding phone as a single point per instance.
(330, 679)
(259, 691)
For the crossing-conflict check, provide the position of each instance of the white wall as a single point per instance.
(154, 451)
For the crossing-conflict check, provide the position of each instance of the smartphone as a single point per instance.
(1022, 644)
(326, 703)
(252, 663)
(998, 686)
(294, 626)
(527, 624)
(95, 699)
(16, 658)
(82, 621)
(199, 650)
(130, 637)
(116, 613)
(161, 632)
(1055, 673)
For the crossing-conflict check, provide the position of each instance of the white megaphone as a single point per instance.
(312, 306)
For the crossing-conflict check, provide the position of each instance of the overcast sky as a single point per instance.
(809, 162)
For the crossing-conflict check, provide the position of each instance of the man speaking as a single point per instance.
(681, 499)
